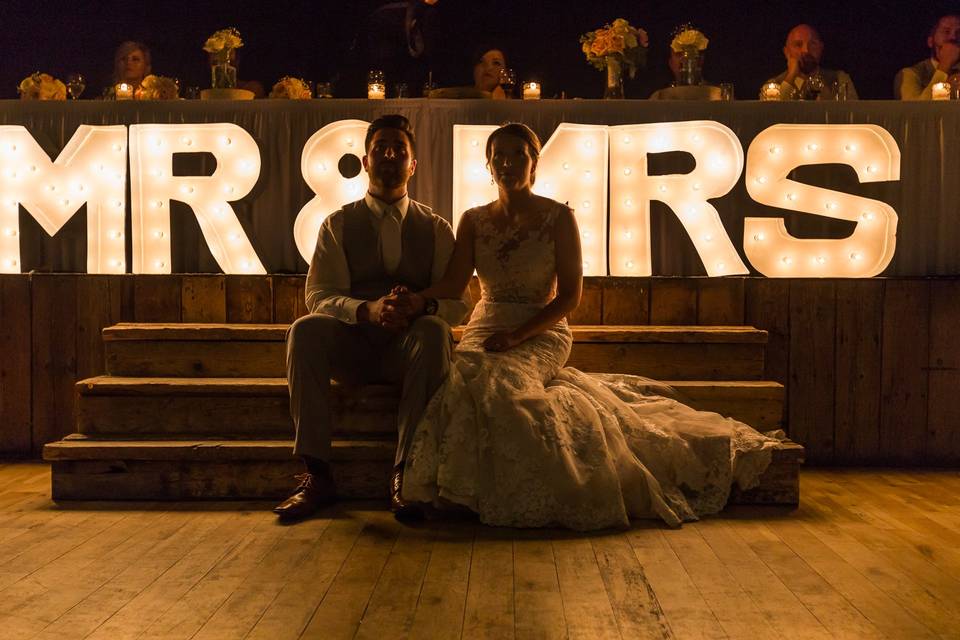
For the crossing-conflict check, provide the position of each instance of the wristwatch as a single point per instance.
(430, 306)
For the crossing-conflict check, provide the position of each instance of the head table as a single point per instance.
(926, 197)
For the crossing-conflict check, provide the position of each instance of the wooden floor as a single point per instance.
(869, 554)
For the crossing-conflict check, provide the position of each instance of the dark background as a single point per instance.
(326, 41)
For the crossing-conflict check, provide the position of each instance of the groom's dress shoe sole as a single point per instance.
(407, 511)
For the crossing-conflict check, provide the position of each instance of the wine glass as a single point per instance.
(813, 87)
(508, 80)
(76, 83)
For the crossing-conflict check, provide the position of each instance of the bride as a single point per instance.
(523, 441)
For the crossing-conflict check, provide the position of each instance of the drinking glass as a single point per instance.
(76, 83)
(324, 90)
(840, 91)
(726, 91)
(813, 87)
(508, 80)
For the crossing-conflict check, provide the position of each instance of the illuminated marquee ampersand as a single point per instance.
(90, 170)
(875, 156)
(153, 185)
(572, 169)
(719, 161)
(319, 164)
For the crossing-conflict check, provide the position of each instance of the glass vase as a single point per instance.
(690, 67)
(223, 75)
(614, 89)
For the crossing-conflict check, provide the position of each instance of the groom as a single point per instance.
(364, 324)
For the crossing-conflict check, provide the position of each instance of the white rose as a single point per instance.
(213, 44)
(689, 38)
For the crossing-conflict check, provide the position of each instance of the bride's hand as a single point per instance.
(501, 341)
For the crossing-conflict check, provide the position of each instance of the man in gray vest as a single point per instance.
(916, 82)
(804, 78)
(364, 324)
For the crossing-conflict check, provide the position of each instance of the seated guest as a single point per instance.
(916, 82)
(804, 78)
(131, 63)
(487, 65)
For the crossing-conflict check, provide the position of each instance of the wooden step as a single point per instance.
(258, 351)
(89, 469)
(245, 408)
(85, 469)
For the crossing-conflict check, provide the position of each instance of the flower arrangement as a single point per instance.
(158, 88)
(42, 86)
(688, 38)
(222, 42)
(291, 89)
(618, 41)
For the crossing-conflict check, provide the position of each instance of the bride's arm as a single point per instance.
(569, 287)
(460, 268)
(450, 286)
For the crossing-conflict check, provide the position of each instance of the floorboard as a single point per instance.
(868, 554)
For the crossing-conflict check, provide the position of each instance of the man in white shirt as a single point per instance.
(916, 82)
(364, 324)
(804, 78)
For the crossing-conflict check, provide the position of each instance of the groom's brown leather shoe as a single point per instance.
(403, 510)
(313, 493)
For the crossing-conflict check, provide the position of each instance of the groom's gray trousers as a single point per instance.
(321, 347)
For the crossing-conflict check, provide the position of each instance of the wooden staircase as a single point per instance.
(201, 410)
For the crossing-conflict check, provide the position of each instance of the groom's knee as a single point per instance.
(431, 337)
(311, 334)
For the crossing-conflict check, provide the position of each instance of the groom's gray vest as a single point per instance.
(368, 278)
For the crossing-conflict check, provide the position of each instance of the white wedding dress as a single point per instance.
(525, 442)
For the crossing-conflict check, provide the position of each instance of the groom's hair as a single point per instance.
(391, 121)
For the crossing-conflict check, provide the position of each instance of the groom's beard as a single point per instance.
(390, 176)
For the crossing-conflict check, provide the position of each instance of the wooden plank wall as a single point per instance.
(872, 367)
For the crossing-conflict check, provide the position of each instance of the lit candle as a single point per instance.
(941, 91)
(124, 91)
(770, 91)
(531, 90)
(376, 85)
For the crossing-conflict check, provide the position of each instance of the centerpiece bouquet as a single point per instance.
(41, 86)
(690, 43)
(221, 47)
(291, 89)
(158, 88)
(613, 47)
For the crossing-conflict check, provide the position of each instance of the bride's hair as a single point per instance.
(517, 130)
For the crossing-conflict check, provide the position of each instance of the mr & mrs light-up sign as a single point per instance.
(577, 165)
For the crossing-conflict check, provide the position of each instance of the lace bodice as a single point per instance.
(516, 263)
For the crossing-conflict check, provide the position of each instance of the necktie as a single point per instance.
(390, 239)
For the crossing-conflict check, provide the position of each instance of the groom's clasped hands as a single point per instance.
(401, 306)
(396, 310)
